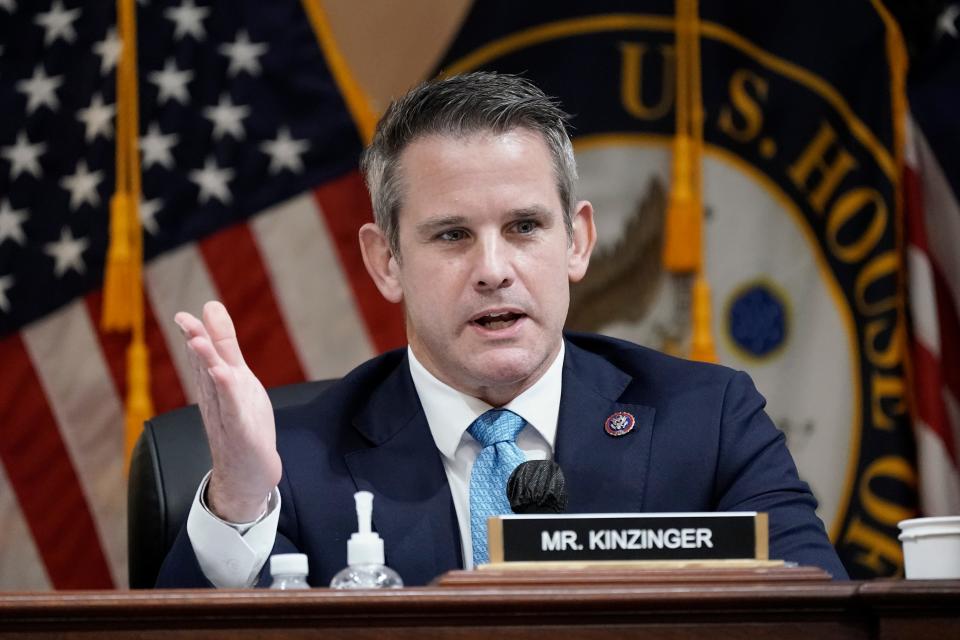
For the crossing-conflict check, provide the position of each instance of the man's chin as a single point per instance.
(506, 367)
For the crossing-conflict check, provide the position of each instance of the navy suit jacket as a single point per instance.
(702, 442)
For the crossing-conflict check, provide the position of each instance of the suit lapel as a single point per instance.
(413, 510)
(604, 473)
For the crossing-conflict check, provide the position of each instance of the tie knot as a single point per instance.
(496, 425)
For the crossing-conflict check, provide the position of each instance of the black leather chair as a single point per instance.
(169, 460)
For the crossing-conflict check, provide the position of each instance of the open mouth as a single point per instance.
(498, 320)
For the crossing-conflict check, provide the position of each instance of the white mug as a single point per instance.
(931, 547)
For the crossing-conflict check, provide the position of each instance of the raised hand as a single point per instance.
(237, 416)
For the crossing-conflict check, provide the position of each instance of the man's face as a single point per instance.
(485, 259)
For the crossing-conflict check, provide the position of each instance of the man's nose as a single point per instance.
(493, 267)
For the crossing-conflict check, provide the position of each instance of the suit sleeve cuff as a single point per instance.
(231, 554)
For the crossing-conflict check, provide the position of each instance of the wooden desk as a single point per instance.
(776, 609)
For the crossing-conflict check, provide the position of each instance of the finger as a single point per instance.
(224, 383)
(217, 379)
(222, 333)
(193, 359)
(189, 325)
(191, 328)
(232, 391)
(207, 397)
(207, 354)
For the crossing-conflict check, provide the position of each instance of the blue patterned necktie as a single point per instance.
(496, 431)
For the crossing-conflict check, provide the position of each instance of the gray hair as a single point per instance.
(457, 106)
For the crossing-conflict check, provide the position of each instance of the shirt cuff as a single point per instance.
(231, 554)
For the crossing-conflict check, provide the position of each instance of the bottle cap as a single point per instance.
(364, 546)
(284, 564)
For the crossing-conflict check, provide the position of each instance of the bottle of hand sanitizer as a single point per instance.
(365, 568)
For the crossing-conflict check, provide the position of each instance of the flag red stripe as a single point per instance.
(929, 398)
(236, 267)
(913, 202)
(44, 479)
(346, 206)
(949, 329)
(165, 387)
(929, 386)
(947, 319)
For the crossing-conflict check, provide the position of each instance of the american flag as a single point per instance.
(250, 195)
(933, 262)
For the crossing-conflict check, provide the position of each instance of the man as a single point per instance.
(478, 234)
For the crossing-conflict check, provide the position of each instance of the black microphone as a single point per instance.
(537, 486)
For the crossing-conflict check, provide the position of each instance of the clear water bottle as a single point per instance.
(365, 568)
(289, 571)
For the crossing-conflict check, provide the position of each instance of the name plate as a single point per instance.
(628, 536)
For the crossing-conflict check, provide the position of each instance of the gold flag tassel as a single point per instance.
(683, 244)
(123, 278)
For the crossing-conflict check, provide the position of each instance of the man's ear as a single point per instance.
(380, 262)
(582, 240)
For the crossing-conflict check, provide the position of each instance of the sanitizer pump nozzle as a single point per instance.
(364, 546)
(365, 568)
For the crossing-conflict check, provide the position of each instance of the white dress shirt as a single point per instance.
(231, 555)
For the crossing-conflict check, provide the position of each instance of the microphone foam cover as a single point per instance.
(537, 486)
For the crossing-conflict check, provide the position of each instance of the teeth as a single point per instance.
(498, 320)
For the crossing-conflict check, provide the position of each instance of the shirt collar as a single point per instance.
(450, 412)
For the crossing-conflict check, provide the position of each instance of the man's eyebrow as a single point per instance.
(428, 227)
(533, 211)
